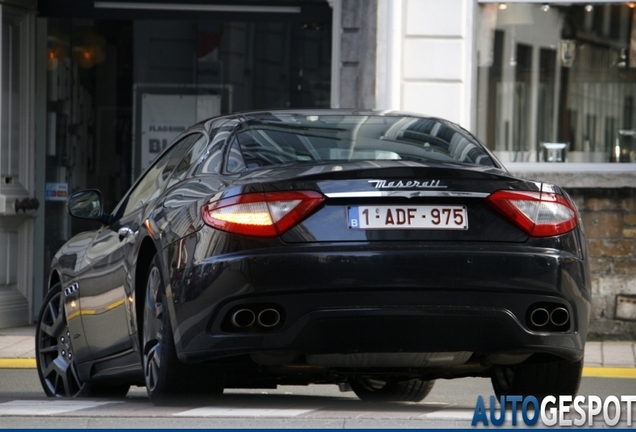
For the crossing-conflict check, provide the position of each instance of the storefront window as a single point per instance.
(88, 105)
(119, 91)
(556, 82)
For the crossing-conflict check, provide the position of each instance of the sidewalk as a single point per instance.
(602, 359)
(17, 347)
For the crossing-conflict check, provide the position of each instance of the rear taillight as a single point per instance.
(539, 214)
(267, 214)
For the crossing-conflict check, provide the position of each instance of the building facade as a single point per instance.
(92, 90)
(549, 87)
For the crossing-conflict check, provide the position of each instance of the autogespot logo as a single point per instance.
(561, 410)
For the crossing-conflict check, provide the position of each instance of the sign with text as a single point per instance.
(164, 117)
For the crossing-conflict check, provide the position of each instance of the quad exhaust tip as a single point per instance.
(540, 317)
(559, 316)
(243, 318)
(268, 317)
(255, 316)
(548, 317)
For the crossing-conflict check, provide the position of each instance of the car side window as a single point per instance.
(189, 160)
(235, 162)
(212, 161)
(154, 180)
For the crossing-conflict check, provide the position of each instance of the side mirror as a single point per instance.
(86, 204)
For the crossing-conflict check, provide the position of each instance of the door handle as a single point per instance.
(26, 204)
(124, 232)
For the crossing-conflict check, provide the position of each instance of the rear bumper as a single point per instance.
(397, 298)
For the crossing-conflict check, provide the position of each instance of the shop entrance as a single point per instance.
(119, 90)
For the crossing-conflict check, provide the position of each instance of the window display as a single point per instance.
(556, 82)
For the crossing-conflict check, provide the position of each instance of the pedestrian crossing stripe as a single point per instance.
(47, 407)
(244, 412)
(51, 407)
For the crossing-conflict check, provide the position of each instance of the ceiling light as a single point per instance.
(197, 7)
(503, 6)
(545, 7)
(589, 8)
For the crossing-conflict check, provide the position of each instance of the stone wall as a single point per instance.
(358, 54)
(609, 218)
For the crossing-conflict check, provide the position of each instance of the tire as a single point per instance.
(168, 380)
(55, 361)
(371, 390)
(539, 380)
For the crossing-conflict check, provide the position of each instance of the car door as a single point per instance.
(107, 284)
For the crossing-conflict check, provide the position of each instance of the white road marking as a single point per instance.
(451, 414)
(44, 408)
(243, 412)
(64, 406)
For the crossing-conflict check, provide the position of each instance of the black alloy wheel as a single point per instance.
(158, 349)
(374, 390)
(168, 381)
(538, 379)
(55, 359)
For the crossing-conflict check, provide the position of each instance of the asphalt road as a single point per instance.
(450, 404)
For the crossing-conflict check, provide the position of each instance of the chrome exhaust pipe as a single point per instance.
(539, 317)
(559, 316)
(243, 318)
(268, 317)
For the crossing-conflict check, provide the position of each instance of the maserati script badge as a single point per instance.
(410, 184)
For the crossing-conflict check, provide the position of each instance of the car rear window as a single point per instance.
(313, 138)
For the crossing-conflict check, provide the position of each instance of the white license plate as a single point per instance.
(408, 217)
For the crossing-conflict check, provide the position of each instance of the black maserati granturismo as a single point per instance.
(374, 250)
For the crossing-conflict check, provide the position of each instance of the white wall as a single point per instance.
(425, 57)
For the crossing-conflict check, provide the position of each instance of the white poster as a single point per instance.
(163, 117)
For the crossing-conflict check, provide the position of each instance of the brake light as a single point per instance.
(267, 214)
(540, 214)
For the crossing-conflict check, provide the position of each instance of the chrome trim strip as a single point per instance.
(407, 194)
(355, 194)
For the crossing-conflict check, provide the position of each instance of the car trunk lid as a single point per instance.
(412, 202)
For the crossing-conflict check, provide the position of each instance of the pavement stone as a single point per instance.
(18, 331)
(17, 347)
(593, 354)
(618, 354)
(18, 342)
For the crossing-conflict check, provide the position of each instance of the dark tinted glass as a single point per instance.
(287, 139)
